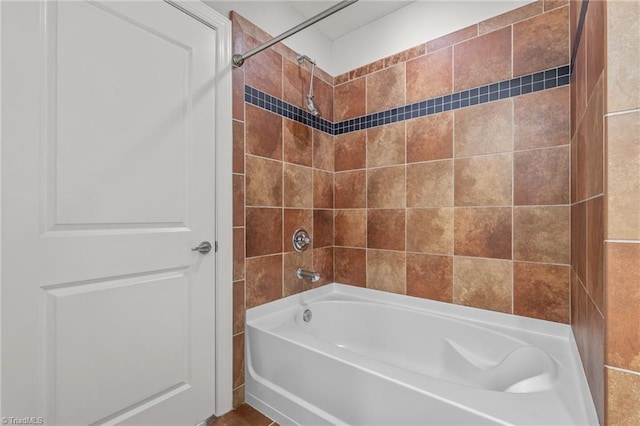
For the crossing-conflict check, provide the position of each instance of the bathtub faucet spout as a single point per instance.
(312, 276)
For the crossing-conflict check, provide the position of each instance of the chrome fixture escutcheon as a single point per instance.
(300, 240)
(204, 247)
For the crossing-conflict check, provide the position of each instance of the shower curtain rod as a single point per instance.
(238, 59)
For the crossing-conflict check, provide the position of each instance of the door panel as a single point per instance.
(138, 134)
(108, 182)
(155, 359)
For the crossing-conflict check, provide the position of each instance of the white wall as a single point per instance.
(413, 24)
(407, 27)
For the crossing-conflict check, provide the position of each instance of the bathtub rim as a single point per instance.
(467, 313)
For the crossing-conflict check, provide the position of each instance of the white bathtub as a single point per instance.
(374, 358)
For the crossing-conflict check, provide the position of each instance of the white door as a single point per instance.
(107, 184)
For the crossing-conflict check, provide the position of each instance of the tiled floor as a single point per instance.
(242, 416)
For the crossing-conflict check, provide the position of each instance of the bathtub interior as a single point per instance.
(445, 363)
(484, 359)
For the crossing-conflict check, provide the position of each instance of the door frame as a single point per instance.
(223, 198)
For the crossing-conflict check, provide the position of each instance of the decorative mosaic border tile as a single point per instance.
(535, 82)
(285, 109)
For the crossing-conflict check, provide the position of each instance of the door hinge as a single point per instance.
(216, 246)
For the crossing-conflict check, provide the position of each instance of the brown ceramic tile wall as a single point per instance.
(470, 206)
(612, 29)
(605, 185)
(283, 179)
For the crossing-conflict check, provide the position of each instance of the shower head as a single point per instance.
(310, 105)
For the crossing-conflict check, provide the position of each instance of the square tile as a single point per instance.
(322, 189)
(264, 231)
(264, 70)
(623, 299)
(351, 151)
(238, 146)
(482, 60)
(238, 307)
(385, 145)
(386, 187)
(351, 190)
(542, 234)
(323, 264)
(484, 129)
(430, 184)
(430, 75)
(483, 232)
(297, 143)
(541, 291)
(483, 283)
(483, 181)
(322, 97)
(322, 228)
(579, 240)
(541, 176)
(349, 100)
(351, 228)
(323, 150)
(595, 250)
(351, 266)
(386, 89)
(263, 133)
(430, 276)
(430, 230)
(542, 119)
(386, 271)
(595, 358)
(430, 138)
(622, 397)
(238, 360)
(298, 189)
(385, 229)
(623, 176)
(264, 280)
(541, 42)
(623, 48)
(238, 253)
(590, 172)
(263, 182)
(579, 314)
(238, 200)
(237, 99)
(594, 33)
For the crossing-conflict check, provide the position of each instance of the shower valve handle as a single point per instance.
(300, 240)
